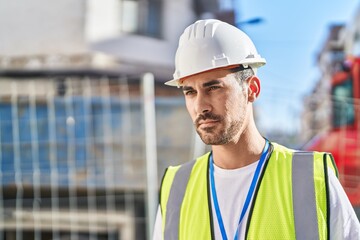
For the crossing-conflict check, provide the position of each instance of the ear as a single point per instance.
(254, 88)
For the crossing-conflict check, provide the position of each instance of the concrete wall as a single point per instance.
(102, 19)
(41, 27)
(69, 27)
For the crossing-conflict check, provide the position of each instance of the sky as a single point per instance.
(289, 38)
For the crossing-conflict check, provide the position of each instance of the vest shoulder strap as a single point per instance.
(176, 196)
(297, 184)
(183, 188)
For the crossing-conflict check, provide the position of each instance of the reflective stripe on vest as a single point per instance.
(304, 203)
(291, 201)
(176, 196)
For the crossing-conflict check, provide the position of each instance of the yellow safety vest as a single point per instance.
(290, 200)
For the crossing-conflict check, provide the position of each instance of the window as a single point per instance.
(141, 17)
(356, 51)
(343, 106)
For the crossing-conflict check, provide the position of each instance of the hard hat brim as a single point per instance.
(176, 82)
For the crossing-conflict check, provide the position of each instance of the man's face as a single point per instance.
(217, 104)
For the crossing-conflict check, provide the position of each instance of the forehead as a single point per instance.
(219, 74)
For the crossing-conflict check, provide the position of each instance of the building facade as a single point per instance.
(72, 150)
(343, 41)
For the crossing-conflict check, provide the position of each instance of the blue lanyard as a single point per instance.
(248, 197)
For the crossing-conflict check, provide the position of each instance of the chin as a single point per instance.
(212, 137)
(214, 140)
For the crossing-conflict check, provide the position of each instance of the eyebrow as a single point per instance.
(187, 88)
(210, 83)
(207, 84)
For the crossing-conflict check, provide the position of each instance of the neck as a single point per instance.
(245, 151)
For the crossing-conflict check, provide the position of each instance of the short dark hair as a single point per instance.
(242, 73)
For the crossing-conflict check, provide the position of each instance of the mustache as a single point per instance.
(207, 116)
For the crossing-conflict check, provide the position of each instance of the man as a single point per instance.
(246, 187)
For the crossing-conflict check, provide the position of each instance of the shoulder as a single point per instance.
(169, 175)
(171, 170)
(280, 152)
(281, 149)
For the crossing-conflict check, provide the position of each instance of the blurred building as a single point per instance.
(343, 41)
(317, 105)
(72, 151)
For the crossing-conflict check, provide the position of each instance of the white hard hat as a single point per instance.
(211, 44)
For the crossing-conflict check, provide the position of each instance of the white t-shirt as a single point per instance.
(232, 187)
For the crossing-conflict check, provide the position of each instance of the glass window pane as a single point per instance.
(143, 17)
(130, 11)
(343, 108)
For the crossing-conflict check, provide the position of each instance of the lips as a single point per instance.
(207, 120)
(207, 123)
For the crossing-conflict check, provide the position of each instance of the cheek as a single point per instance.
(235, 107)
(190, 109)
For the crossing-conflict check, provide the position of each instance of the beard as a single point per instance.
(214, 135)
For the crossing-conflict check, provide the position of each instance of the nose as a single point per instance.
(202, 104)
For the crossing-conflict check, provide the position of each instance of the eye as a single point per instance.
(213, 88)
(189, 92)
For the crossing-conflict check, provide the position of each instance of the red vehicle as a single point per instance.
(343, 140)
